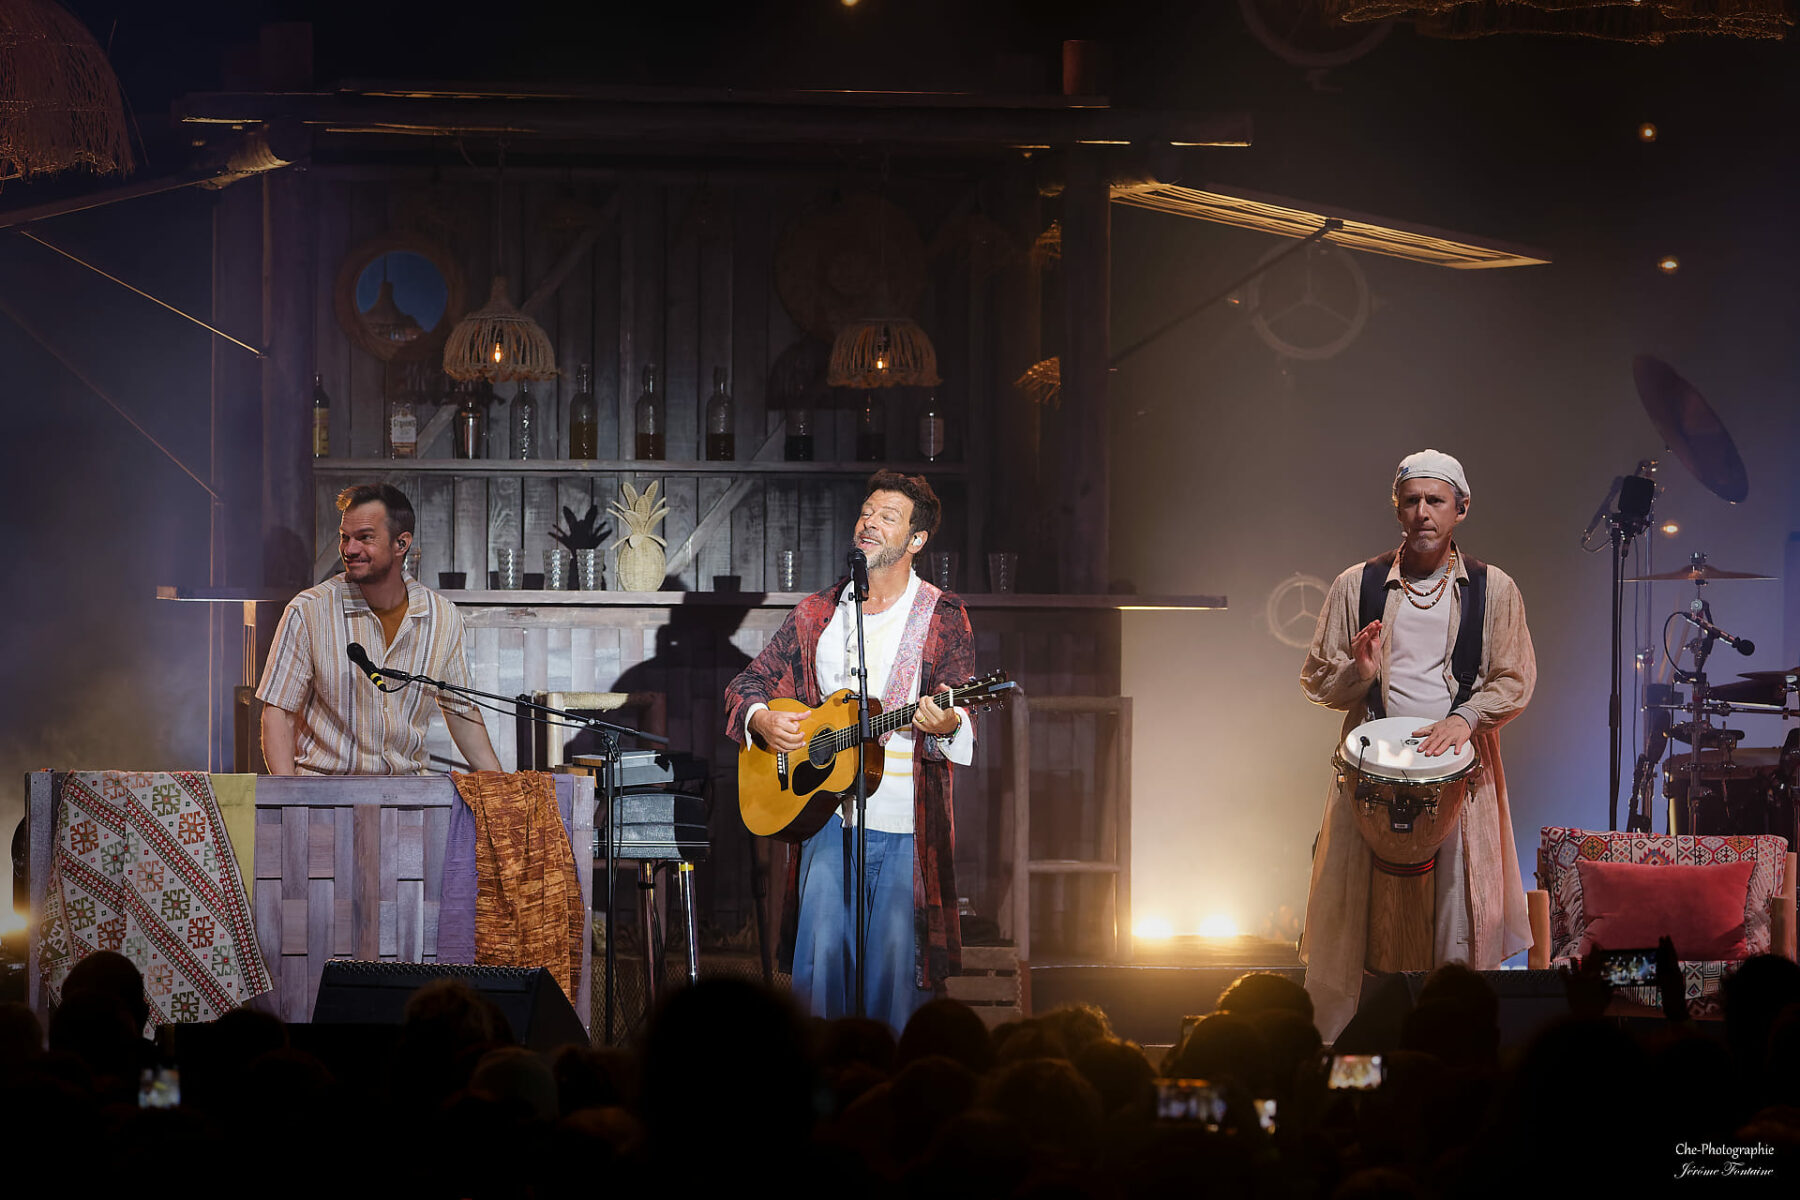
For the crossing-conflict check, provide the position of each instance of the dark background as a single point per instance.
(1233, 468)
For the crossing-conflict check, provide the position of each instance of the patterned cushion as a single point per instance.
(1560, 848)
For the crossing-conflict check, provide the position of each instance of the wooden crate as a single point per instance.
(991, 984)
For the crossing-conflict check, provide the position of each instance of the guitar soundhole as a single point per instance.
(818, 751)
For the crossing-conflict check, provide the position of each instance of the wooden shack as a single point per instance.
(693, 232)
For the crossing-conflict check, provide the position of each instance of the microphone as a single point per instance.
(360, 657)
(859, 572)
(1698, 620)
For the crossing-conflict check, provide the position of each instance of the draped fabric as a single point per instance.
(1337, 904)
(529, 910)
(142, 865)
(788, 666)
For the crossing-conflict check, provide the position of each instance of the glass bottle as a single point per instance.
(799, 444)
(933, 430)
(584, 417)
(321, 419)
(721, 422)
(468, 430)
(871, 429)
(527, 430)
(652, 425)
(402, 427)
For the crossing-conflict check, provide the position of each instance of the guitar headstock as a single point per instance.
(985, 691)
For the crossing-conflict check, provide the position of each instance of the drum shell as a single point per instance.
(1739, 797)
(1429, 829)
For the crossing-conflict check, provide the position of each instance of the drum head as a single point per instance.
(1393, 753)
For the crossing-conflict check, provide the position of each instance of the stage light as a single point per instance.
(1646, 132)
(1219, 925)
(848, 3)
(1671, 528)
(1668, 264)
(12, 921)
(1153, 928)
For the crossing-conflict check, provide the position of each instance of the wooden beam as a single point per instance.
(966, 122)
(1083, 493)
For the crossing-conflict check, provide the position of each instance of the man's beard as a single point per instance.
(887, 556)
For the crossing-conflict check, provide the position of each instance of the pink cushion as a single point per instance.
(1631, 905)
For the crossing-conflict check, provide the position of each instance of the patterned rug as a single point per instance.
(143, 866)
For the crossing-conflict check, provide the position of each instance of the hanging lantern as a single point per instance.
(499, 343)
(59, 99)
(882, 352)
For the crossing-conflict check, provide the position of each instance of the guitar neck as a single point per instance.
(901, 717)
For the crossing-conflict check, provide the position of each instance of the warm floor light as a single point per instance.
(1153, 927)
(12, 921)
(1218, 926)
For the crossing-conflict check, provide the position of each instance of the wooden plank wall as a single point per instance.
(690, 653)
(680, 278)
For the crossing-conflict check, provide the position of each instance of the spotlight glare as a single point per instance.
(1153, 928)
(1218, 925)
(1671, 528)
(1668, 264)
(1646, 132)
(12, 921)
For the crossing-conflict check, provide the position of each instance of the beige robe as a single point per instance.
(1337, 904)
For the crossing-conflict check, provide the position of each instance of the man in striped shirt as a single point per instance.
(321, 715)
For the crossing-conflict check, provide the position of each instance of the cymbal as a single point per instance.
(1775, 677)
(1703, 572)
(1690, 428)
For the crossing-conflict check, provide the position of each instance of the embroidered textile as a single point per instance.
(529, 910)
(909, 652)
(142, 865)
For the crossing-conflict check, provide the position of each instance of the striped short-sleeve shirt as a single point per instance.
(346, 725)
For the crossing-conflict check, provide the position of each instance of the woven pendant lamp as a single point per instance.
(882, 352)
(499, 343)
(59, 99)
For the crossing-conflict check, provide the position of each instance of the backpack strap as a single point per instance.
(1370, 605)
(1465, 657)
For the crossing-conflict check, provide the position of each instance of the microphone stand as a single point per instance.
(609, 735)
(856, 871)
(1623, 528)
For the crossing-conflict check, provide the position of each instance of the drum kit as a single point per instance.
(1406, 805)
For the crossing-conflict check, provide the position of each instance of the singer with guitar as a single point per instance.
(321, 715)
(917, 643)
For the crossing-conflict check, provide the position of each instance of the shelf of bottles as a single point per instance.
(527, 436)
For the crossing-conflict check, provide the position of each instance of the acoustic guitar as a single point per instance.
(790, 796)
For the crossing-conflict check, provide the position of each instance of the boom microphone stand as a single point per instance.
(609, 735)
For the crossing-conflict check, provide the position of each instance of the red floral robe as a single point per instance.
(788, 667)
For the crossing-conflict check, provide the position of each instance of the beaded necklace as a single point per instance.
(1435, 592)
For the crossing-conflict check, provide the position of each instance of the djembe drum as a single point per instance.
(1405, 806)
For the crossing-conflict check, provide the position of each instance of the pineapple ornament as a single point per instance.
(641, 556)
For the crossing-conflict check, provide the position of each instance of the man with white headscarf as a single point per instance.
(1403, 664)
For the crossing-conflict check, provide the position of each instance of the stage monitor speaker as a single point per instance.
(1529, 1000)
(352, 992)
